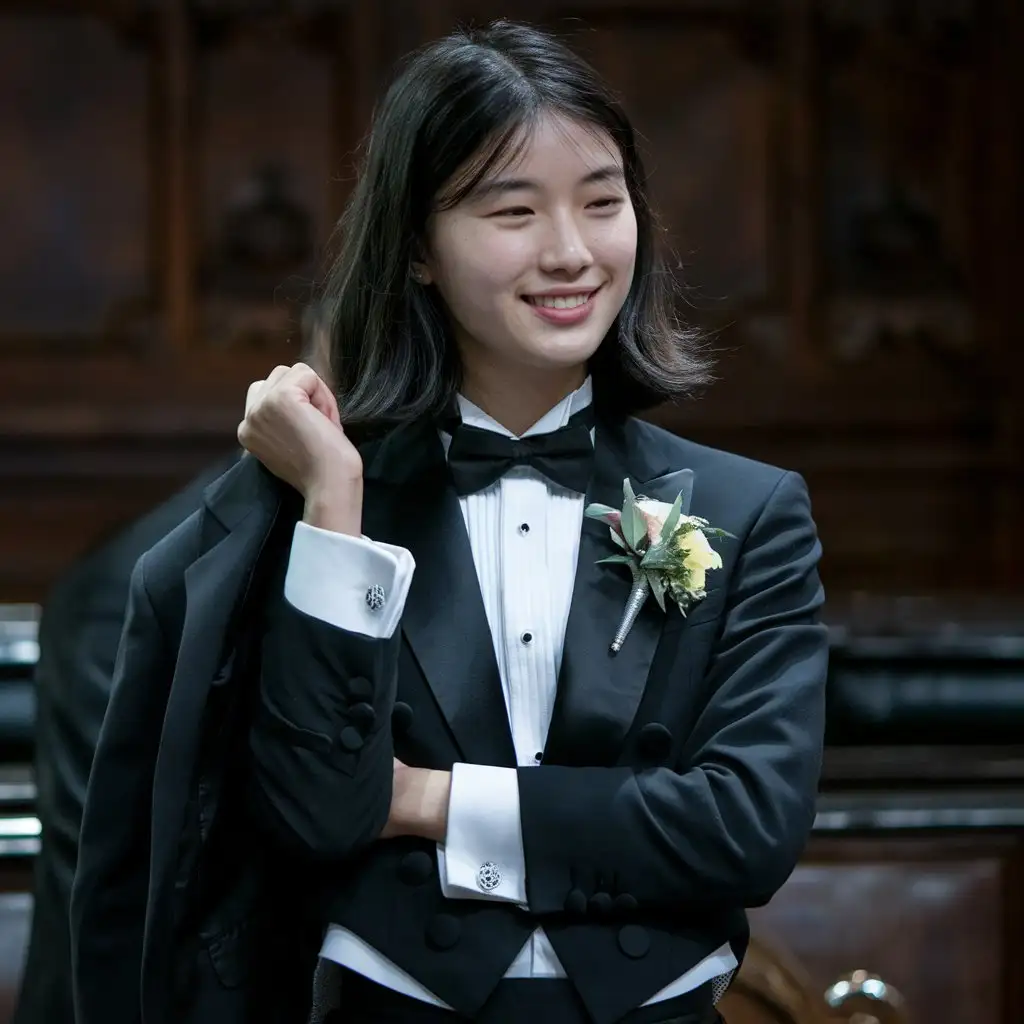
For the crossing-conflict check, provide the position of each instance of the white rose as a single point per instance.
(699, 557)
(655, 513)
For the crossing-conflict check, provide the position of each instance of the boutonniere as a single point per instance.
(667, 553)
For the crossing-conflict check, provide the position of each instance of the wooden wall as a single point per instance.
(937, 916)
(840, 180)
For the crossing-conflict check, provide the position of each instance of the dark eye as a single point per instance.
(513, 211)
(608, 203)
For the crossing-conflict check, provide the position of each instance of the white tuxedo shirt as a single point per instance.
(524, 534)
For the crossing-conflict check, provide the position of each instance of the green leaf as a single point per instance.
(628, 496)
(599, 511)
(634, 526)
(714, 531)
(657, 557)
(657, 583)
(617, 538)
(617, 560)
(669, 526)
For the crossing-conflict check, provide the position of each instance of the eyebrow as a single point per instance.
(500, 186)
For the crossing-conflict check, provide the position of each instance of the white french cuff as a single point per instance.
(482, 857)
(352, 583)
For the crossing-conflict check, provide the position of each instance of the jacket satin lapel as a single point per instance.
(444, 622)
(599, 693)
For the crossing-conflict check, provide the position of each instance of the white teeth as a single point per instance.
(559, 301)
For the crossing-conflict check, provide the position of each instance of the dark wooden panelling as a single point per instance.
(927, 915)
(1003, 217)
(46, 524)
(265, 209)
(705, 112)
(839, 182)
(74, 178)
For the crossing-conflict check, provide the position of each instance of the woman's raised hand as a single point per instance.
(291, 425)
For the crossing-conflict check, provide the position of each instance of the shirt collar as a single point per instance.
(474, 416)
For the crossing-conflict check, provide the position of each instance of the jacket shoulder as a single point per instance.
(715, 466)
(162, 567)
(729, 490)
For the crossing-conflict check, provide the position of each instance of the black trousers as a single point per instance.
(515, 1001)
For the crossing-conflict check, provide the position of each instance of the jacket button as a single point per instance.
(625, 903)
(444, 931)
(401, 717)
(351, 739)
(655, 742)
(363, 715)
(600, 904)
(576, 903)
(634, 941)
(359, 688)
(415, 868)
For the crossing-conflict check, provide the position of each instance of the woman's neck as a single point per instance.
(518, 400)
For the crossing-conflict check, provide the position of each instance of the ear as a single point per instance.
(420, 272)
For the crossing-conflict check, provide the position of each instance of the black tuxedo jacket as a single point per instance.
(78, 638)
(244, 768)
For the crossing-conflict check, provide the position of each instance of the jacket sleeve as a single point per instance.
(108, 901)
(321, 746)
(728, 828)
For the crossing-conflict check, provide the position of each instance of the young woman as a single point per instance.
(380, 733)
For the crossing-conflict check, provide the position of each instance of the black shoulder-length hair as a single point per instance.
(460, 108)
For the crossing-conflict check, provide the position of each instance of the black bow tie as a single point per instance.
(478, 457)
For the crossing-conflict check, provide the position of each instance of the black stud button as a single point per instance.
(625, 903)
(600, 904)
(363, 715)
(444, 931)
(416, 867)
(634, 941)
(576, 903)
(524, 528)
(527, 638)
(655, 742)
(401, 717)
(359, 688)
(351, 739)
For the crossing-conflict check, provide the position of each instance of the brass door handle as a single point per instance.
(869, 999)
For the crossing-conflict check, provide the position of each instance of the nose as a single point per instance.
(565, 250)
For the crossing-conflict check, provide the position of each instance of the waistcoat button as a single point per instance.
(401, 717)
(351, 739)
(576, 903)
(444, 931)
(415, 868)
(634, 941)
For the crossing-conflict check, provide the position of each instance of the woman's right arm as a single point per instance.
(321, 747)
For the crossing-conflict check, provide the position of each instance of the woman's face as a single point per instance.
(536, 262)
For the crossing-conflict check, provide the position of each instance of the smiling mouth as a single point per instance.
(561, 301)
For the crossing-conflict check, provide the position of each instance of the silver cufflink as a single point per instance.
(375, 597)
(489, 876)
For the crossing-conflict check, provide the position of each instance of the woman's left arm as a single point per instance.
(730, 828)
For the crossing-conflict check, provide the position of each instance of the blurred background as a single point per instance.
(841, 182)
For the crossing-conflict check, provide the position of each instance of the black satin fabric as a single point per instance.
(477, 457)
